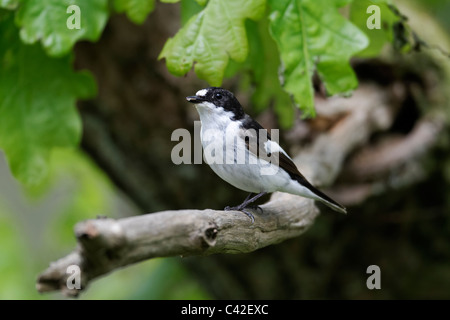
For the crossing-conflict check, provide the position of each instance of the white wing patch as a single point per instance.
(202, 93)
(272, 146)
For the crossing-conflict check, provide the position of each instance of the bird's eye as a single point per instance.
(218, 96)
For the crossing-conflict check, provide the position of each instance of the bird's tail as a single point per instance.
(322, 197)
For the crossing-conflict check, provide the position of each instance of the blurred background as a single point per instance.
(123, 168)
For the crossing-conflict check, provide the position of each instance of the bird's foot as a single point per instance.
(243, 207)
(256, 208)
(244, 210)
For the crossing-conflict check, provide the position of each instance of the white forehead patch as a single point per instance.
(202, 92)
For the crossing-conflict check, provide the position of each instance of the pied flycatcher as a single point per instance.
(240, 151)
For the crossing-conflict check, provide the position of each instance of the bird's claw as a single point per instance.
(249, 214)
(256, 208)
(244, 210)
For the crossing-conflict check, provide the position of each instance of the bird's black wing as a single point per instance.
(261, 136)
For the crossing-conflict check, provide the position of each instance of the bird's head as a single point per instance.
(217, 101)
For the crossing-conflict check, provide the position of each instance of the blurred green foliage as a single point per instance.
(439, 9)
(136, 10)
(36, 226)
(37, 103)
(378, 38)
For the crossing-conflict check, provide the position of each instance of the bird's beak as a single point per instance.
(195, 99)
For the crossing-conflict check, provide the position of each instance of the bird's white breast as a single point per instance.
(220, 137)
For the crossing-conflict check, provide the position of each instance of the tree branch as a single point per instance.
(394, 152)
(107, 244)
(392, 163)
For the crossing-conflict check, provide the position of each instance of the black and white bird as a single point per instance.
(243, 153)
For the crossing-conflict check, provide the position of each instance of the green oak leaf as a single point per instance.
(312, 35)
(210, 38)
(263, 66)
(136, 10)
(260, 75)
(37, 104)
(46, 21)
(189, 8)
(201, 2)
